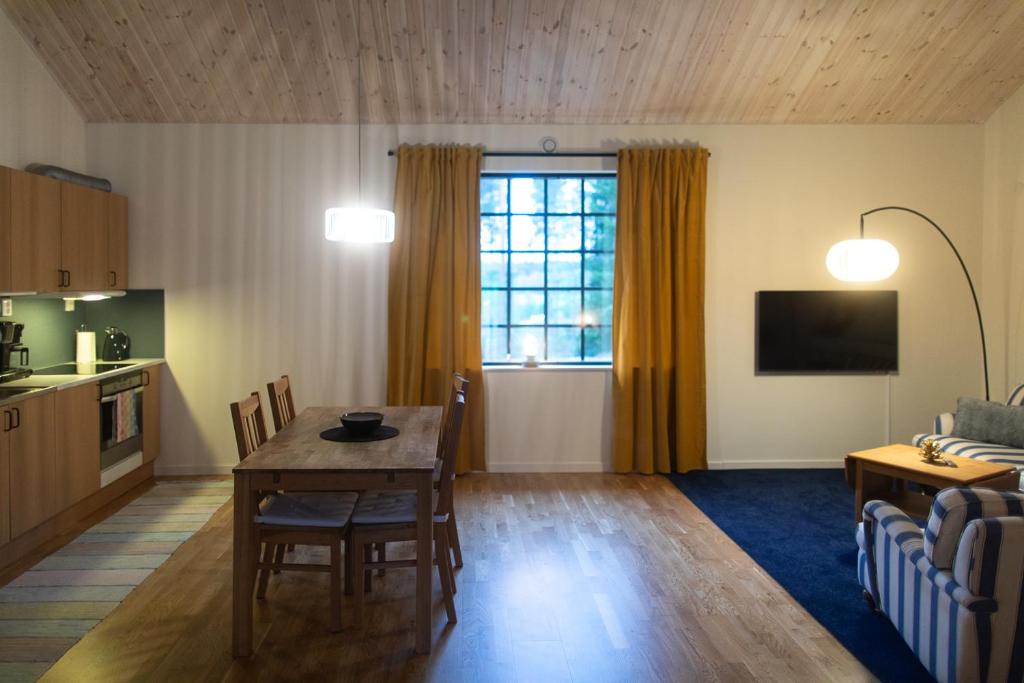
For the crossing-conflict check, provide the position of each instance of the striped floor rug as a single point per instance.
(52, 606)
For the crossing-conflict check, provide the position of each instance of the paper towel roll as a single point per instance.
(85, 347)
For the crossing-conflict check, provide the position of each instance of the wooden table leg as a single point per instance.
(870, 485)
(858, 497)
(424, 562)
(243, 576)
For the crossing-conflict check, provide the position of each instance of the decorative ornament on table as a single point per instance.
(931, 453)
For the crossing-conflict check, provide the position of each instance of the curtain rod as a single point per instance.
(608, 155)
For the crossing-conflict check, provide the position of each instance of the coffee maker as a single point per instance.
(10, 343)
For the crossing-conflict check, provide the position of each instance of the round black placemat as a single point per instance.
(342, 434)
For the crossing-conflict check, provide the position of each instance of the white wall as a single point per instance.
(1003, 288)
(228, 219)
(549, 419)
(38, 122)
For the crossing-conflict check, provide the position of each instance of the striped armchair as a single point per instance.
(942, 433)
(955, 590)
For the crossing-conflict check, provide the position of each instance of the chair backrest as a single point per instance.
(1016, 397)
(447, 456)
(999, 540)
(250, 428)
(954, 508)
(459, 385)
(282, 408)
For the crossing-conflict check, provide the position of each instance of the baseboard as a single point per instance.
(524, 467)
(185, 470)
(527, 467)
(774, 464)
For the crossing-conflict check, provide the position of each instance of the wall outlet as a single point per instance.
(6, 307)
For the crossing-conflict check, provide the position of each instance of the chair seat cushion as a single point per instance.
(324, 510)
(979, 450)
(389, 507)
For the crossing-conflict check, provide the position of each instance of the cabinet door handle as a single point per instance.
(17, 418)
(60, 277)
(145, 378)
(113, 278)
(7, 421)
(67, 278)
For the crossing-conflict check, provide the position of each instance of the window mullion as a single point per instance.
(545, 257)
(546, 288)
(583, 270)
(508, 268)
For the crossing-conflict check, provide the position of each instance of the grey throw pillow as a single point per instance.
(990, 422)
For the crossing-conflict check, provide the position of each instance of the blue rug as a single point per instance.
(798, 525)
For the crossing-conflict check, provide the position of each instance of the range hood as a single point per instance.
(106, 293)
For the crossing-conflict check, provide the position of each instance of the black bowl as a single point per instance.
(362, 424)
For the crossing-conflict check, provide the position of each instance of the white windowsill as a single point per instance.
(562, 368)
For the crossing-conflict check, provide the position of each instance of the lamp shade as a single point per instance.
(862, 260)
(357, 224)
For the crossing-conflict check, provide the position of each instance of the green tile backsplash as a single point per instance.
(50, 330)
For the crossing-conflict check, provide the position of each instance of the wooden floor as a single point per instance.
(567, 577)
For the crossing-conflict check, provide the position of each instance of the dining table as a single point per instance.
(298, 459)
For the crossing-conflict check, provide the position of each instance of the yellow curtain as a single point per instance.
(658, 318)
(434, 286)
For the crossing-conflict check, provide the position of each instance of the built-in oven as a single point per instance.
(121, 425)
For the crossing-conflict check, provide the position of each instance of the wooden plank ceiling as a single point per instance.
(531, 61)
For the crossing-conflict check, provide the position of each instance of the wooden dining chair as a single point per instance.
(320, 519)
(250, 427)
(460, 385)
(282, 408)
(390, 516)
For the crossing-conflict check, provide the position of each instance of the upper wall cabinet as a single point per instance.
(83, 238)
(29, 232)
(117, 241)
(60, 237)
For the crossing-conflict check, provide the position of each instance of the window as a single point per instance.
(547, 248)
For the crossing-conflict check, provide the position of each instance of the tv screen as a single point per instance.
(827, 332)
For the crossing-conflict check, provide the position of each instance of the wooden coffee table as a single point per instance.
(882, 473)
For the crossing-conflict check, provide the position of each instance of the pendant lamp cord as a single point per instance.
(359, 105)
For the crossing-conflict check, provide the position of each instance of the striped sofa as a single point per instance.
(943, 430)
(954, 591)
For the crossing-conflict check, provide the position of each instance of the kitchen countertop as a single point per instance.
(43, 384)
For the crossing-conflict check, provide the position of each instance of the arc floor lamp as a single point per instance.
(871, 260)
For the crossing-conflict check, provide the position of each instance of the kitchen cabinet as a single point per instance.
(50, 462)
(57, 236)
(151, 414)
(77, 444)
(5, 485)
(29, 231)
(83, 238)
(117, 241)
(33, 471)
(5, 230)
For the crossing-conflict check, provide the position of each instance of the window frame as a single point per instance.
(544, 289)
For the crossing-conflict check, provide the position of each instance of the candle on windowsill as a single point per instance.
(530, 351)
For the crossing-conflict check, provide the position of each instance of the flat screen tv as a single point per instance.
(807, 332)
